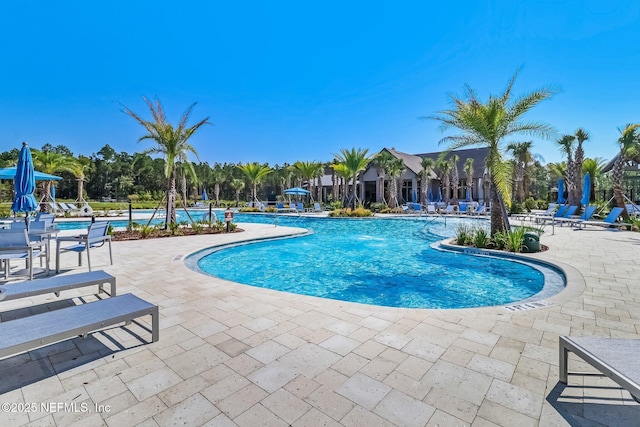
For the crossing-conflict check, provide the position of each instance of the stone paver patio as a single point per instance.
(232, 354)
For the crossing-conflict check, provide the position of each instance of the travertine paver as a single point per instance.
(234, 355)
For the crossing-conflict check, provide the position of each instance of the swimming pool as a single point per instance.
(387, 262)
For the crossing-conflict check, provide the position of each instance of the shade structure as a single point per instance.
(586, 189)
(561, 198)
(52, 192)
(10, 173)
(469, 199)
(24, 183)
(296, 191)
(204, 194)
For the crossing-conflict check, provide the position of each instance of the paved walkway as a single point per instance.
(231, 354)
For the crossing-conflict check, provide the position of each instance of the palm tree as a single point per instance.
(172, 143)
(566, 146)
(51, 162)
(581, 136)
(427, 165)
(455, 177)
(308, 171)
(217, 177)
(594, 168)
(445, 168)
(468, 171)
(83, 164)
(238, 186)
(522, 156)
(255, 173)
(629, 143)
(489, 124)
(356, 161)
(394, 170)
(344, 173)
(382, 162)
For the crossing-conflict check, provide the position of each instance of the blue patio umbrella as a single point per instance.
(24, 183)
(10, 173)
(296, 191)
(469, 199)
(586, 189)
(204, 194)
(414, 196)
(561, 198)
(439, 196)
(429, 194)
(52, 192)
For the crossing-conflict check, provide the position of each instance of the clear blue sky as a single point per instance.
(285, 81)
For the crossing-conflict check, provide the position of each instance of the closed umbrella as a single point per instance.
(429, 194)
(52, 193)
(439, 197)
(469, 199)
(586, 189)
(561, 198)
(24, 183)
(204, 194)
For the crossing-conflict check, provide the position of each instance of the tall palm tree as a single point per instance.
(394, 170)
(356, 161)
(522, 156)
(593, 166)
(566, 146)
(468, 171)
(51, 162)
(382, 162)
(489, 124)
(427, 165)
(344, 173)
(172, 143)
(83, 164)
(455, 177)
(444, 167)
(237, 185)
(308, 171)
(629, 143)
(581, 136)
(255, 173)
(217, 178)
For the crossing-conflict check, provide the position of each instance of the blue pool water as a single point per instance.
(387, 262)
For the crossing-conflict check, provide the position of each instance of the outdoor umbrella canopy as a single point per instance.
(469, 199)
(52, 193)
(204, 194)
(586, 189)
(429, 194)
(297, 191)
(414, 196)
(24, 183)
(439, 196)
(10, 173)
(561, 199)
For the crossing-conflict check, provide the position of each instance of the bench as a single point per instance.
(56, 284)
(616, 358)
(27, 333)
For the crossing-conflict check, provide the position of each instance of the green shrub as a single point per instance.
(357, 212)
(480, 237)
(515, 240)
(336, 205)
(463, 234)
(516, 208)
(377, 207)
(500, 240)
(542, 204)
(530, 204)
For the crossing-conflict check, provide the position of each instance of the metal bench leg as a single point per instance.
(110, 254)
(564, 360)
(155, 324)
(88, 257)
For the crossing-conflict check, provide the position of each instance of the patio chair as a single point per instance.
(54, 208)
(73, 209)
(317, 207)
(300, 207)
(608, 221)
(47, 218)
(633, 209)
(15, 244)
(585, 216)
(96, 237)
(431, 209)
(450, 209)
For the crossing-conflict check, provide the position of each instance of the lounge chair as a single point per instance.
(431, 209)
(633, 209)
(615, 358)
(56, 284)
(96, 236)
(27, 333)
(450, 209)
(73, 209)
(54, 208)
(317, 207)
(585, 216)
(300, 207)
(15, 244)
(608, 221)
(557, 214)
(480, 210)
